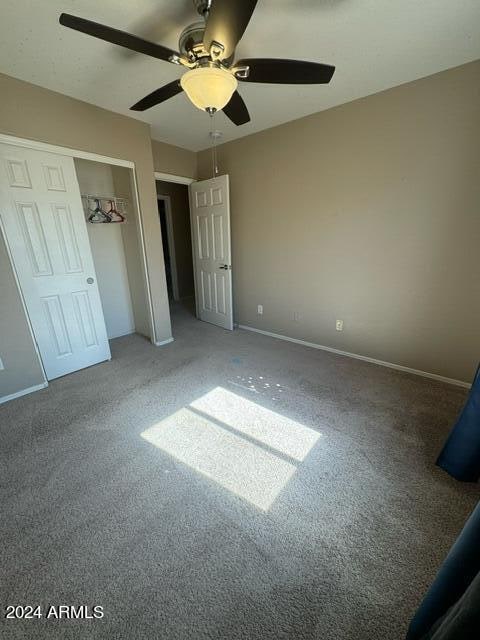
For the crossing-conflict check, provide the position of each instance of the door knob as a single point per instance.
(225, 266)
(90, 280)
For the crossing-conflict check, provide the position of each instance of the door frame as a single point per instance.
(186, 180)
(171, 243)
(37, 145)
(170, 177)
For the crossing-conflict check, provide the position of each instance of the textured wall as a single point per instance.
(369, 213)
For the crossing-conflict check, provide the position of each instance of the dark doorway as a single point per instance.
(166, 253)
(174, 213)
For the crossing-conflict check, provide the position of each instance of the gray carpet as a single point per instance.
(227, 486)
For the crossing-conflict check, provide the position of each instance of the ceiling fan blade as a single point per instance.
(237, 110)
(226, 24)
(158, 27)
(273, 70)
(115, 36)
(159, 95)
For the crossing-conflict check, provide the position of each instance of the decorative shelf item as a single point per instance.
(105, 209)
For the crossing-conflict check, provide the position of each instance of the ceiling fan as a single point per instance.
(207, 50)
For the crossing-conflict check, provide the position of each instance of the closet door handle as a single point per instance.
(90, 280)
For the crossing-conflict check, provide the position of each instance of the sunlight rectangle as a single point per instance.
(257, 422)
(236, 464)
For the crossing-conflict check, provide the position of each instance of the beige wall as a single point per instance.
(22, 368)
(31, 112)
(182, 238)
(173, 160)
(369, 213)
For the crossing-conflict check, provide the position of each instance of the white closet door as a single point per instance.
(210, 222)
(43, 218)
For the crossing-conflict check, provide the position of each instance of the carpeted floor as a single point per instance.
(227, 486)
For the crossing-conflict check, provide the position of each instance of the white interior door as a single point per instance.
(43, 218)
(210, 222)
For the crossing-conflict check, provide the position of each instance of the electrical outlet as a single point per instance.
(339, 325)
(260, 309)
(296, 316)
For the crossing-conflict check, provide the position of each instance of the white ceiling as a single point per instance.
(375, 44)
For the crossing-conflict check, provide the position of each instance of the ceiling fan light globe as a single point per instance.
(209, 87)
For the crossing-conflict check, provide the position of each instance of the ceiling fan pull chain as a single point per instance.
(215, 136)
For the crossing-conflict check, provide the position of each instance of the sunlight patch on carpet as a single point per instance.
(271, 428)
(229, 455)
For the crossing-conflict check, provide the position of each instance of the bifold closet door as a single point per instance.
(43, 219)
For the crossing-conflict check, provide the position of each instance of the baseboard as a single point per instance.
(160, 344)
(23, 392)
(124, 333)
(382, 363)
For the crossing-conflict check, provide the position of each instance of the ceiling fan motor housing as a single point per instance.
(191, 45)
(191, 40)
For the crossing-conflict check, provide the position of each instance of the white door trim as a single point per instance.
(163, 342)
(171, 244)
(86, 155)
(143, 253)
(168, 177)
(195, 283)
(64, 151)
